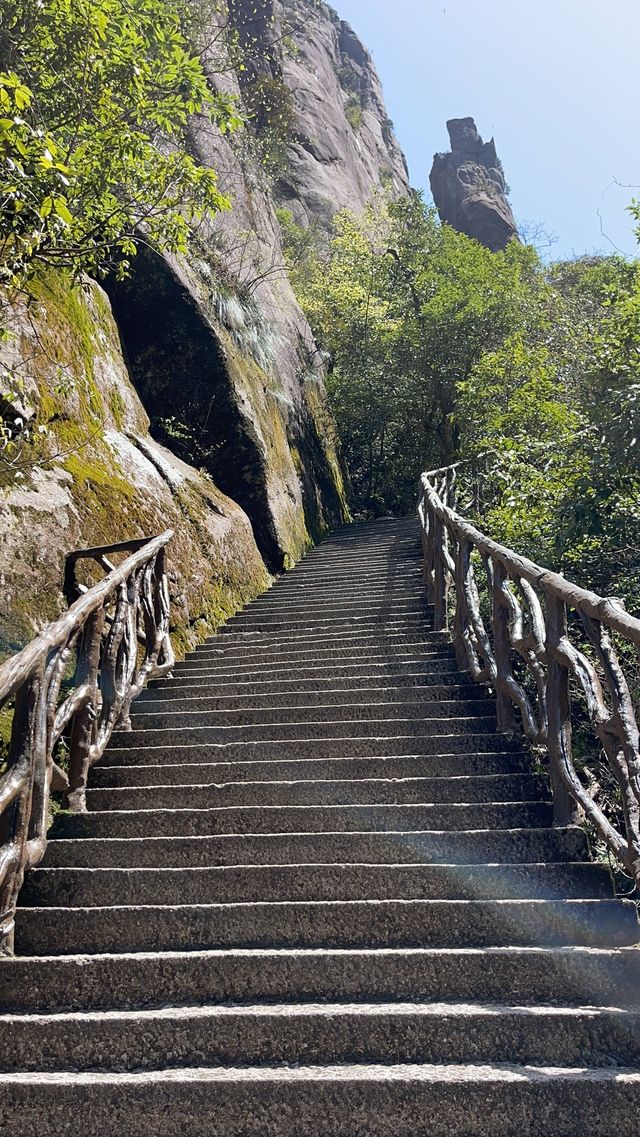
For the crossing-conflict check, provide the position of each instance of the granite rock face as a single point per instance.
(344, 145)
(210, 352)
(468, 187)
(97, 477)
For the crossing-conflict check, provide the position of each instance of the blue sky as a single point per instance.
(556, 81)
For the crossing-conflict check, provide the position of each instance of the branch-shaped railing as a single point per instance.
(513, 626)
(74, 685)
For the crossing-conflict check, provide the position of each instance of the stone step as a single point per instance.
(375, 580)
(359, 557)
(414, 1100)
(354, 710)
(442, 670)
(297, 616)
(291, 622)
(285, 591)
(365, 602)
(350, 676)
(224, 637)
(91, 888)
(596, 976)
(358, 560)
(327, 924)
(429, 655)
(257, 642)
(321, 1033)
(194, 822)
(348, 746)
(476, 846)
(375, 586)
(314, 769)
(169, 699)
(372, 791)
(297, 727)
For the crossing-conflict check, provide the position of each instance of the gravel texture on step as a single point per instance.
(79, 887)
(322, 1034)
(373, 791)
(359, 923)
(417, 847)
(523, 976)
(320, 1101)
(413, 766)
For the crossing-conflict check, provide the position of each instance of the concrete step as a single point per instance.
(226, 639)
(350, 677)
(440, 669)
(339, 611)
(365, 602)
(430, 656)
(372, 582)
(290, 622)
(318, 793)
(304, 638)
(326, 1101)
(372, 791)
(169, 699)
(315, 769)
(90, 887)
(285, 591)
(356, 709)
(327, 924)
(523, 976)
(193, 822)
(299, 728)
(348, 746)
(320, 1034)
(515, 846)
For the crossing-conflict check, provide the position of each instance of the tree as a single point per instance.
(405, 307)
(95, 98)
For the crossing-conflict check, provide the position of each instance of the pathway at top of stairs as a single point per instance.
(317, 895)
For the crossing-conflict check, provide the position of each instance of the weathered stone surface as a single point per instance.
(344, 146)
(468, 187)
(98, 477)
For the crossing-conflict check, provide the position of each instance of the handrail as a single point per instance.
(526, 654)
(109, 642)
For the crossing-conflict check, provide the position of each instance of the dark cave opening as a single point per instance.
(180, 372)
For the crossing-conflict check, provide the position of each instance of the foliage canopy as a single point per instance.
(95, 96)
(442, 350)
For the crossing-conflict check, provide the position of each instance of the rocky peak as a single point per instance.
(469, 189)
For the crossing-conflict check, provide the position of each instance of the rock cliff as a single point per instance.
(468, 187)
(344, 142)
(194, 395)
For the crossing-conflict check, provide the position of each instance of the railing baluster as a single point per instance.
(84, 723)
(440, 577)
(505, 710)
(16, 815)
(565, 810)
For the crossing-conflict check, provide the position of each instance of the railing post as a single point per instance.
(501, 649)
(565, 809)
(15, 818)
(83, 728)
(440, 577)
(427, 548)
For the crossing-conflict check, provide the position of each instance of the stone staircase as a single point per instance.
(317, 895)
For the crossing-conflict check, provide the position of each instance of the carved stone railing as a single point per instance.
(71, 687)
(537, 640)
